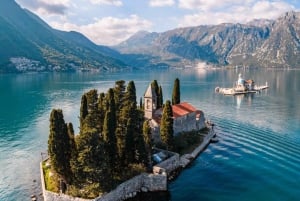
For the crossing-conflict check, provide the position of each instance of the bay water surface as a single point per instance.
(257, 157)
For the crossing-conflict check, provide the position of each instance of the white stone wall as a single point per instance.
(201, 121)
(185, 123)
(141, 183)
(170, 164)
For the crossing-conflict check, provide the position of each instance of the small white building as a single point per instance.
(244, 85)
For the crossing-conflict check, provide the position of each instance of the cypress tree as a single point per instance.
(160, 97)
(141, 155)
(59, 145)
(121, 143)
(131, 93)
(73, 149)
(92, 163)
(109, 129)
(141, 103)
(126, 125)
(147, 134)
(154, 85)
(101, 111)
(83, 111)
(148, 141)
(176, 92)
(119, 92)
(101, 101)
(92, 119)
(129, 137)
(92, 100)
(110, 106)
(166, 127)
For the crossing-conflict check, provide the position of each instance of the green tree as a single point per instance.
(130, 95)
(119, 92)
(176, 92)
(148, 141)
(101, 101)
(166, 127)
(129, 137)
(101, 111)
(128, 122)
(141, 103)
(83, 111)
(140, 154)
(73, 149)
(92, 100)
(155, 86)
(59, 145)
(160, 98)
(109, 129)
(92, 162)
(92, 118)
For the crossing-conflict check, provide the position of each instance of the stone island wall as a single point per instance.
(141, 183)
(169, 165)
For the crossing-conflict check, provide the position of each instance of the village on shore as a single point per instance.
(122, 148)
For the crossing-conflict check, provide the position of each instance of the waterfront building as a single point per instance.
(186, 117)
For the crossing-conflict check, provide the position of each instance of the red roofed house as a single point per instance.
(186, 117)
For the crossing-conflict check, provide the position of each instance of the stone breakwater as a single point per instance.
(176, 163)
(186, 159)
(141, 183)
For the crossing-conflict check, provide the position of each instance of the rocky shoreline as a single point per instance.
(142, 184)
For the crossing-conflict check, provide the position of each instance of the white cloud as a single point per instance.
(237, 12)
(206, 5)
(161, 3)
(45, 7)
(108, 30)
(107, 2)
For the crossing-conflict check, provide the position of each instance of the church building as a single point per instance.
(185, 116)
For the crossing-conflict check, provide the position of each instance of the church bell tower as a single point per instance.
(150, 100)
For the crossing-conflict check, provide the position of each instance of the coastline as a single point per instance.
(143, 183)
(186, 159)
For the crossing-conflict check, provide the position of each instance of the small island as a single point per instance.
(242, 86)
(122, 148)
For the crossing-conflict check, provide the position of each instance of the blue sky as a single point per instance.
(108, 22)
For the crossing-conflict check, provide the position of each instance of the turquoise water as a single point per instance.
(257, 157)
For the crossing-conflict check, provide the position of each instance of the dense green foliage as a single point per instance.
(176, 92)
(59, 145)
(83, 110)
(147, 140)
(160, 98)
(111, 141)
(166, 126)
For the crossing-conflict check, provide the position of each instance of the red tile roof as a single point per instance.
(182, 109)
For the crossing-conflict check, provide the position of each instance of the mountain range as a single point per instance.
(260, 43)
(30, 44)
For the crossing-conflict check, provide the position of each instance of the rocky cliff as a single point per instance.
(262, 43)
